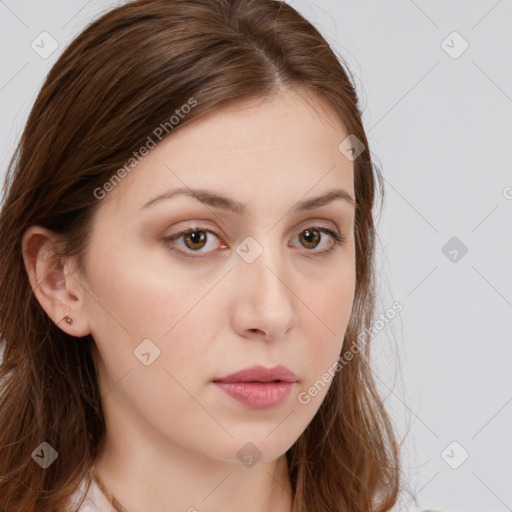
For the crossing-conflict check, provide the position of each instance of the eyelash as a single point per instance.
(339, 239)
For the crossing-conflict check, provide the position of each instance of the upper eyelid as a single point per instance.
(199, 224)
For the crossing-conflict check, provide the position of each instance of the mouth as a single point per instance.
(237, 381)
(260, 374)
(258, 387)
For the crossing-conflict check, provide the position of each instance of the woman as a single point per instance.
(187, 273)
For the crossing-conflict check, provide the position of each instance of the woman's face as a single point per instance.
(244, 289)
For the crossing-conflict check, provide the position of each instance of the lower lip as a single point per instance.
(257, 395)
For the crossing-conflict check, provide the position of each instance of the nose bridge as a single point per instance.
(270, 280)
(265, 291)
(264, 261)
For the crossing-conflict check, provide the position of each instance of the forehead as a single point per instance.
(276, 147)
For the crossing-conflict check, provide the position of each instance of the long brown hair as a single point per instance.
(122, 77)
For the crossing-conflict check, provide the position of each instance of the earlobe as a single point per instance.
(51, 281)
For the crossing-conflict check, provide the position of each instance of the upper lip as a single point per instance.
(260, 374)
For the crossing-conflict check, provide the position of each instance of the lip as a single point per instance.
(259, 387)
(260, 374)
(257, 395)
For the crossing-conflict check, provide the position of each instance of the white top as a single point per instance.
(94, 501)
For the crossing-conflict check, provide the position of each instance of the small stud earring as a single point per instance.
(68, 319)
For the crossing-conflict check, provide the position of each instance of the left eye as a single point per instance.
(313, 235)
(195, 238)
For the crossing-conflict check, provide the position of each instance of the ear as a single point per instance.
(55, 285)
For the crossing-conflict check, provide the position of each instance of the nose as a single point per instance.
(264, 304)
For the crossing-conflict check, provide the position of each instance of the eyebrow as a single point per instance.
(225, 203)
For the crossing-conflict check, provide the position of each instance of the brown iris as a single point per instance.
(312, 236)
(196, 237)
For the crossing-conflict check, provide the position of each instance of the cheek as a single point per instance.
(324, 323)
(139, 306)
(330, 292)
(331, 303)
(150, 305)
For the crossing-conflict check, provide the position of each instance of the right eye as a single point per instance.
(195, 238)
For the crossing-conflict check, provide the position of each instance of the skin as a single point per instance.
(172, 435)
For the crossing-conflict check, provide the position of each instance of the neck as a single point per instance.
(266, 490)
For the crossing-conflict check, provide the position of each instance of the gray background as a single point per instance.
(439, 128)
